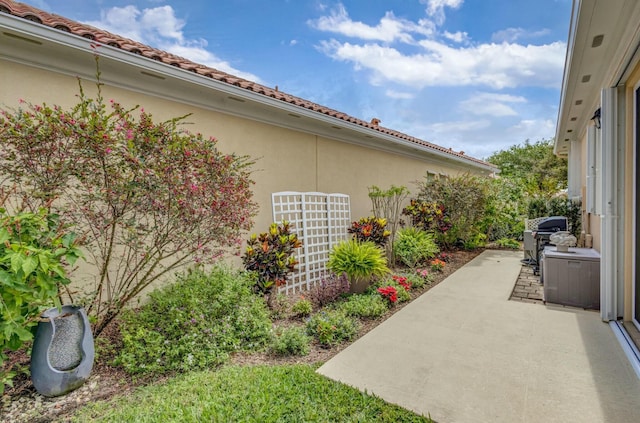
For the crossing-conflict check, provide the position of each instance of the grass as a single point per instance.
(288, 393)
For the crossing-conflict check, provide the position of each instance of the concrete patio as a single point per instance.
(463, 352)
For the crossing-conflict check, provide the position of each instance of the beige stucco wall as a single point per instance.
(286, 160)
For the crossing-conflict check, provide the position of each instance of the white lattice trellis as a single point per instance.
(320, 220)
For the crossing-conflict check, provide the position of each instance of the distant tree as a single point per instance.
(540, 172)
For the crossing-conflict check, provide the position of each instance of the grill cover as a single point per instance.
(553, 224)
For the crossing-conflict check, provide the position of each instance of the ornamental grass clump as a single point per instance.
(195, 323)
(361, 261)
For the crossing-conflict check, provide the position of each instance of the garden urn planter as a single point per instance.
(62, 354)
(359, 285)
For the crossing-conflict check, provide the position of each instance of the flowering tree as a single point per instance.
(145, 198)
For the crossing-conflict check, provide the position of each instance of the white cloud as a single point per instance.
(458, 37)
(160, 28)
(491, 104)
(435, 8)
(389, 29)
(399, 95)
(511, 35)
(459, 126)
(494, 65)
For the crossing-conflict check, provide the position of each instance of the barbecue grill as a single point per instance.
(546, 228)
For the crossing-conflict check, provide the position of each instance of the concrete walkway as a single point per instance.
(463, 352)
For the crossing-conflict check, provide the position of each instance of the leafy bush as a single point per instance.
(476, 240)
(363, 306)
(302, 307)
(370, 229)
(508, 243)
(428, 215)
(419, 278)
(414, 246)
(194, 323)
(361, 261)
(145, 197)
(464, 198)
(34, 249)
(437, 265)
(401, 292)
(330, 288)
(270, 255)
(332, 327)
(290, 341)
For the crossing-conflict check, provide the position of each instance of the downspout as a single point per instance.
(609, 219)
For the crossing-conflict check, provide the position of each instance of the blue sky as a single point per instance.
(475, 75)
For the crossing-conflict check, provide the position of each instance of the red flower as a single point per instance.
(402, 281)
(389, 293)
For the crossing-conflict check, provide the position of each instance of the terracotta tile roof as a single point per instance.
(100, 36)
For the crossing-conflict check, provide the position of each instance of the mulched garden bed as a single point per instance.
(22, 403)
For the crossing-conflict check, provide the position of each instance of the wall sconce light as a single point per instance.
(596, 119)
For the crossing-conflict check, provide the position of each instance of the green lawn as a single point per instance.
(292, 393)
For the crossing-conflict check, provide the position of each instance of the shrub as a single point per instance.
(477, 240)
(464, 199)
(270, 255)
(428, 215)
(330, 288)
(194, 323)
(361, 261)
(420, 278)
(363, 306)
(508, 243)
(332, 327)
(390, 293)
(302, 307)
(145, 197)
(370, 229)
(34, 250)
(398, 290)
(414, 246)
(290, 341)
(437, 265)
